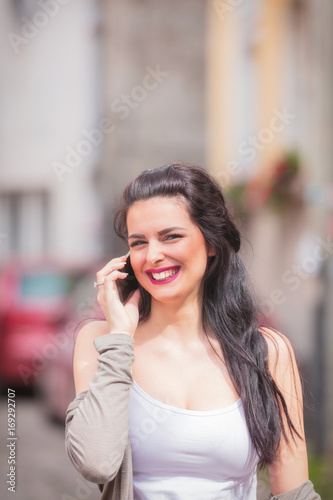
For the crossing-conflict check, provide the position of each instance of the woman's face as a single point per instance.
(168, 251)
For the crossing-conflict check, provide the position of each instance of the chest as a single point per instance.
(190, 454)
(194, 379)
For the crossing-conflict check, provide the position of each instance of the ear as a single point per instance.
(211, 252)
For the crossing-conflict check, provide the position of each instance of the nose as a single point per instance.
(154, 252)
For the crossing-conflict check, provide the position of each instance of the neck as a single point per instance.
(178, 323)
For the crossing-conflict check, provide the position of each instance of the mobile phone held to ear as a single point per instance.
(129, 284)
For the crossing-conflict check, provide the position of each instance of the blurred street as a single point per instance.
(44, 471)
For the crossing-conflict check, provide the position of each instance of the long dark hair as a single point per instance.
(229, 308)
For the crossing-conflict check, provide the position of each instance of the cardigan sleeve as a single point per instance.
(304, 492)
(97, 420)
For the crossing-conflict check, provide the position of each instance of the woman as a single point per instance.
(179, 393)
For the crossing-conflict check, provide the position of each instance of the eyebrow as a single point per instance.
(160, 233)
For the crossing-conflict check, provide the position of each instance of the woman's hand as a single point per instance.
(120, 318)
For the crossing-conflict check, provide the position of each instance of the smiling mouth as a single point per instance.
(163, 276)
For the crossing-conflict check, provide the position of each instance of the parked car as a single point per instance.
(55, 383)
(34, 306)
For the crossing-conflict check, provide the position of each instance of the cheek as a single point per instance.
(199, 251)
(137, 262)
(200, 259)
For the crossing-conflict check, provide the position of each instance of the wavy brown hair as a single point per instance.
(228, 308)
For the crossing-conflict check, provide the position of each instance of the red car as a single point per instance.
(55, 383)
(34, 305)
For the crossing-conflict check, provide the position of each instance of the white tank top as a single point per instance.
(183, 454)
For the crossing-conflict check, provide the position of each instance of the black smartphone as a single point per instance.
(129, 284)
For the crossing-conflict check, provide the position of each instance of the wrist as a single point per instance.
(116, 332)
(114, 342)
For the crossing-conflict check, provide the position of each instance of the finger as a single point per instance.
(112, 266)
(117, 275)
(110, 285)
(108, 288)
(112, 277)
(122, 258)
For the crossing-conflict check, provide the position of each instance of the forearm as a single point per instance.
(97, 420)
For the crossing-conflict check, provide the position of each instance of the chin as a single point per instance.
(165, 296)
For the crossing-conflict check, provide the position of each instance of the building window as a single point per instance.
(23, 224)
(25, 7)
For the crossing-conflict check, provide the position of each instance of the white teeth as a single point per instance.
(164, 275)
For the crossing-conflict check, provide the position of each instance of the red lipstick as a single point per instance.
(161, 270)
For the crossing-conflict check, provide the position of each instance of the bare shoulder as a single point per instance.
(283, 368)
(90, 331)
(280, 351)
(85, 362)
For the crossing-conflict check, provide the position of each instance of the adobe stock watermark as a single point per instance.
(279, 121)
(83, 490)
(250, 147)
(122, 107)
(57, 343)
(224, 7)
(294, 276)
(148, 426)
(31, 27)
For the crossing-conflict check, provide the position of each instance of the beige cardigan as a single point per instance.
(97, 425)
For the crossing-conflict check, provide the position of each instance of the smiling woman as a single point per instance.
(181, 393)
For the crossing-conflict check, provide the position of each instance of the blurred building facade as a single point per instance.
(50, 80)
(153, 60)
(270, 77)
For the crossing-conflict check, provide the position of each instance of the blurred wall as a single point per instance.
(153, 63)
(50, 87)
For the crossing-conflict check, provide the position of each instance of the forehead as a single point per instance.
(158, 211)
